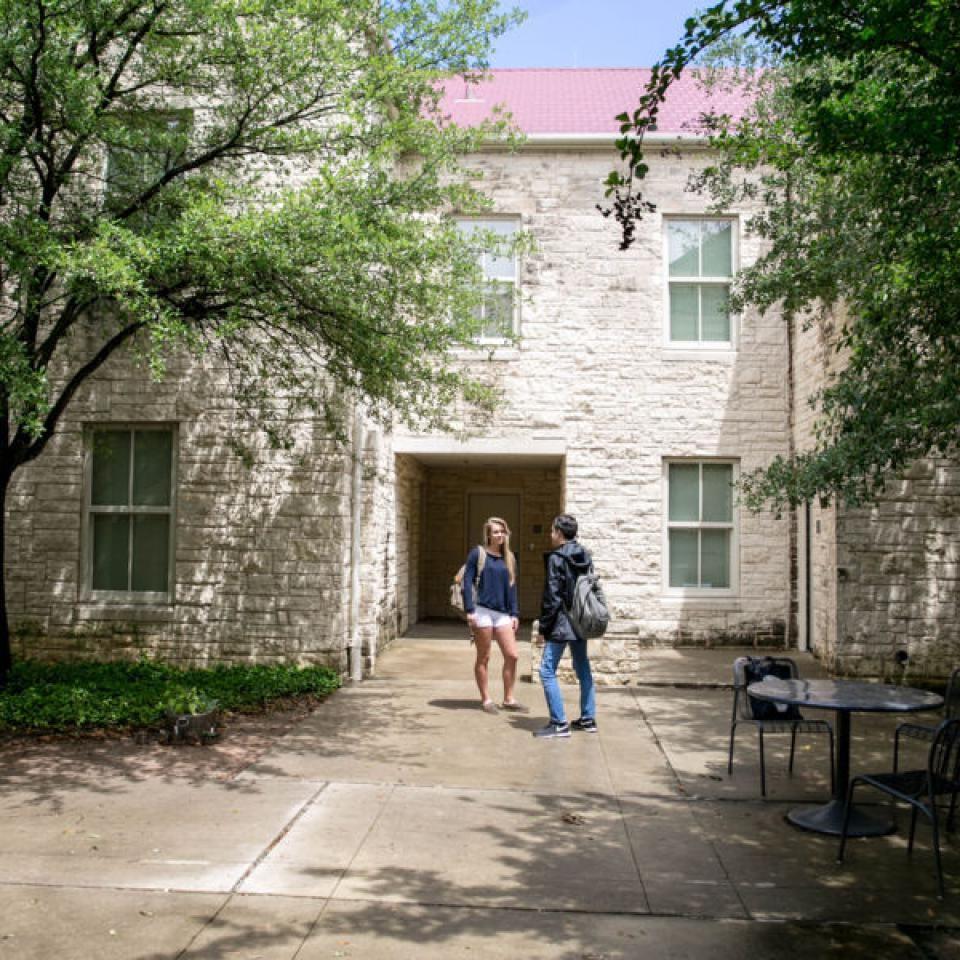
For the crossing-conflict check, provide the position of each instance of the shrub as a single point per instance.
(74, 696)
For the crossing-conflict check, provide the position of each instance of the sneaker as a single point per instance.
(488, 706)
(553, 731)
(585, 725)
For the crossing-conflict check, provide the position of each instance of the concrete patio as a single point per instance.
(401, 821)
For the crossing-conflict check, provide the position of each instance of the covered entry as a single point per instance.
(446, 490)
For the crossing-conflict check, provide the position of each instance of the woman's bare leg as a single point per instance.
(507, 641)
(483, 640)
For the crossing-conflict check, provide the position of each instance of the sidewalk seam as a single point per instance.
(691, 803)
(253, 866)
(344, 872)
(307, 804)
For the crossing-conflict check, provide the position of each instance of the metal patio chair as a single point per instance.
(925, 731)
(791, 721)
(920, 789)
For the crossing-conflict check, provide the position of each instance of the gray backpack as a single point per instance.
(588, 610)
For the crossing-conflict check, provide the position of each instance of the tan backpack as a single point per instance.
(456, 587)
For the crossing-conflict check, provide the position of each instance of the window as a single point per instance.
(700, 254)
(497, 312)
(129, 505)
(701, 533)
(152, 144)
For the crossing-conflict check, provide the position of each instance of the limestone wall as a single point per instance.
(883, 578)
(899, 576)
(815, 360)
(408, 534)
(263, 537)
(261, 543)
(593, 369)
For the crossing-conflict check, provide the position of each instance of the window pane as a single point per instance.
(154, 143)
(494, 267)
(111, 468)
(683, 242)
(684, 492)
(152, 454)
(111, 540)
(501, 267)
(716, 312)
(683, 558)
(498, 310)
(717, 493)
(715, 558)
(717, 248)
(683, 311)
(151, 552)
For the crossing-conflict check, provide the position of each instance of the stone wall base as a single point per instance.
(125, 642)
(615, 659)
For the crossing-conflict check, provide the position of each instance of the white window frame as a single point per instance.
(481, 222)
(700, 345)
(90, 511)
(733, 526)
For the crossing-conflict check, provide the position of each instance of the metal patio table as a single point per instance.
(843, 697)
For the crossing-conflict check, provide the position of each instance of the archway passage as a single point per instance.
(442, 502)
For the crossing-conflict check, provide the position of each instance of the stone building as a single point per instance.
(631, 397)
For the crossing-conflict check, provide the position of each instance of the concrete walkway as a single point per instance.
(401, 821)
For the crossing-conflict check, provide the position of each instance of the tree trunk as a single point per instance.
(6, 656)
(6, 472)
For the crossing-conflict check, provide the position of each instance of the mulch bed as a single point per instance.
(144, 752)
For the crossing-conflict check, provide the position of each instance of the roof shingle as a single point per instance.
(580, 101)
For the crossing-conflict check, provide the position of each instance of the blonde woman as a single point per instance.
(493, 614)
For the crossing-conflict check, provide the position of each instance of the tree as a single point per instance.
(268, 178)
(853, 145)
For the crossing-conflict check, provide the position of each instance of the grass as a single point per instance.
(62, 697)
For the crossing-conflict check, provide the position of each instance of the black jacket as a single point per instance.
(562, 567)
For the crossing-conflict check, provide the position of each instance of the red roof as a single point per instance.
(580, 101)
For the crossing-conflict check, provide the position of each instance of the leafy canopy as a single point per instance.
(267, 179)
(852, 146)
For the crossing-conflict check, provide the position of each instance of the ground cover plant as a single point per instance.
(63, 697)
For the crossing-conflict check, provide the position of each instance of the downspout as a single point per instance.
(356, 529)
(793, 544)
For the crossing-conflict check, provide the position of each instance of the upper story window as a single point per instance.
(700, 255)
(152, 144)
(129, 512)
(498, 310)
(701, 532)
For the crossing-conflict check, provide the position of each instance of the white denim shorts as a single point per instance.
(491, 618)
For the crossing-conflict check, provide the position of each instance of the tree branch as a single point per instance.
(23, 448)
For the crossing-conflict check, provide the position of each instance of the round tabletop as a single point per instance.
(852, 695)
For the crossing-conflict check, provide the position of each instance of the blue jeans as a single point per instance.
(552, 652)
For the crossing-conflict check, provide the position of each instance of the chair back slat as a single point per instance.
(943, 763)
(951, 699)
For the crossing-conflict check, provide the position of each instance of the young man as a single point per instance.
(564, 564)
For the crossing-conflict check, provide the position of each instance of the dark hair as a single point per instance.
(567, 525)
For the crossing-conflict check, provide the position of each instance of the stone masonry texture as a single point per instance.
(264, 538)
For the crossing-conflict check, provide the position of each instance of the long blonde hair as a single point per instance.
(507, 552)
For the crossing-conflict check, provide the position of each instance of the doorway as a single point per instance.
(441, 507)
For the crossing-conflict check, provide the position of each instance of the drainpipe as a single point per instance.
(356, 529)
